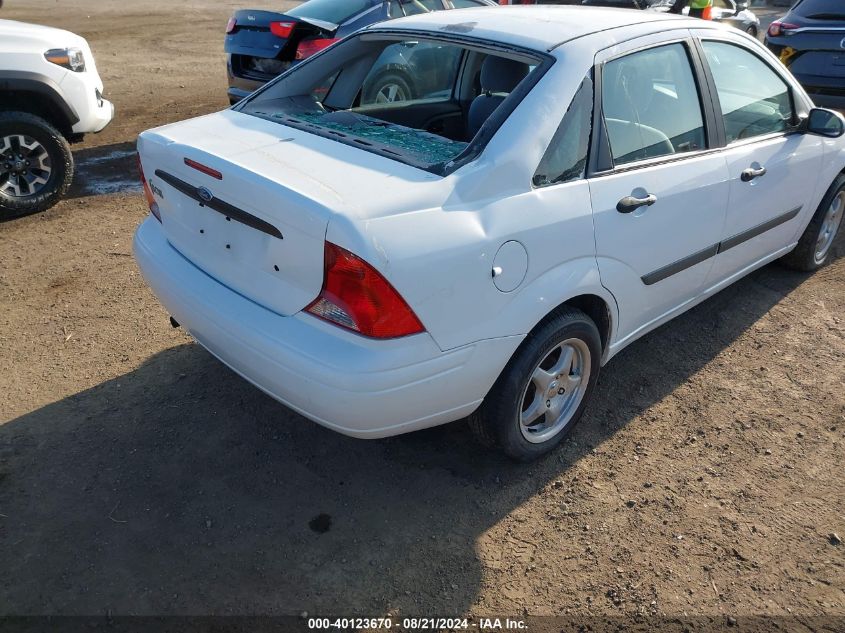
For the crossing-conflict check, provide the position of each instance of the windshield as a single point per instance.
(821, 9)
(425, 102)
(334, 11)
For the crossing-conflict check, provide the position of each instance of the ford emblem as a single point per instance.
(205, 195)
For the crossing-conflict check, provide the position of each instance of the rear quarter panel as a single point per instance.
(441, 259)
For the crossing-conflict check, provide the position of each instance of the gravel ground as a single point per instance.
(140, 476)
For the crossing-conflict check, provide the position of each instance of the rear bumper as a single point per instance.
(354, 385)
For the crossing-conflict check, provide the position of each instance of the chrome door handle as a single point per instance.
(751, 173)
(630, 203)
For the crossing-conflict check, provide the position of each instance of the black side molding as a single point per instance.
(754, 231)
(711, 251)
(222, 207)
(682, 264)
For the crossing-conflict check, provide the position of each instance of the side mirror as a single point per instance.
(741, 5)
(824, 123)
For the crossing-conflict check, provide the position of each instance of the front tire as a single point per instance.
(816, 243)
(36, 165)
(541, 394)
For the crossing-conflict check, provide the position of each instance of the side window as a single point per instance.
(466, 4)
(753, 97)
(651, 105)
(566, 156)
(412, 71)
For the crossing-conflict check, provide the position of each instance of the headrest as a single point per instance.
(499, 74)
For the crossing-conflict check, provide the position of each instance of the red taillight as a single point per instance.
(231, 24)
(282, 29)
(148, 193)
(778, 28)
(208, 171)
(355, 296)
(307, 48)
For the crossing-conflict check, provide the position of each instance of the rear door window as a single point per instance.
(412, 71)
(753, 97)
(566, 157)
(651, 105)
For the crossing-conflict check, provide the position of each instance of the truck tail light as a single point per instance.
(355, 296)
(282, 29)
(148, 193)
(778, 28)
(307, 48)
(231, 24)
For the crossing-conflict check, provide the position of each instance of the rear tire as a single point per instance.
(541, 394)
(816, 243)
(389, 87)
(36, 164)
(752, 31)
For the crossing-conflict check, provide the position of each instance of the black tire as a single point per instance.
(403, 85)
(61, 164)
(497, 422)
(804, 256)
(752, 31)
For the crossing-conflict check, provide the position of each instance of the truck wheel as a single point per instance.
(813, 250)
(36, 165)
(542, 392)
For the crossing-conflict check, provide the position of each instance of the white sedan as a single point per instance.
(556, 182)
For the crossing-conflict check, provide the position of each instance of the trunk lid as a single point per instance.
(262, 230)
(252, 36)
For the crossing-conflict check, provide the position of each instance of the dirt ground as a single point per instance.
(140, 476)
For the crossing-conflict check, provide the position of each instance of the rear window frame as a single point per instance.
(488, 130)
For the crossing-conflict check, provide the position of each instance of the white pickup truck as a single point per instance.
(50, 96)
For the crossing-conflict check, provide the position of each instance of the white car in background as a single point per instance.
(50, 96)
(580, 177)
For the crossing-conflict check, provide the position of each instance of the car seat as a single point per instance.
(499, 77)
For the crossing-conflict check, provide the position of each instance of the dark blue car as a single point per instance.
(810, 41)
(260, 45)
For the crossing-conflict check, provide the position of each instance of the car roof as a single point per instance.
(539, 27)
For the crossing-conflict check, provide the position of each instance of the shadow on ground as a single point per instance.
(180, 488)
(103, 170)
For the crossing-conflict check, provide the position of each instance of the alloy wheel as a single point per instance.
(391, 92)
(25, 166)
(555, 390)
(830, 225)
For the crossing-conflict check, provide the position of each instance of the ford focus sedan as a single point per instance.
(570, 179)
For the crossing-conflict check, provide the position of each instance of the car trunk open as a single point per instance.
(261, 54)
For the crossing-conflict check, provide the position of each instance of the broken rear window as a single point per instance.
(420, 100)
